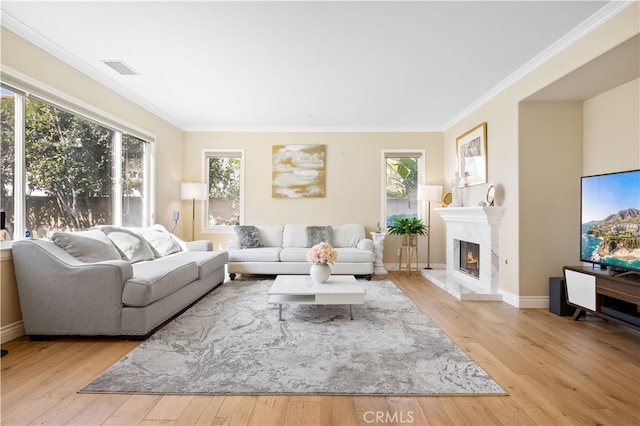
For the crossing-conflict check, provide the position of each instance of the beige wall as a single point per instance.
(353, 179)
(550, 135)
(612, 130)
(514, 166)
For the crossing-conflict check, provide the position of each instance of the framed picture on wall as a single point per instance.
(298, 171)
(471, 150)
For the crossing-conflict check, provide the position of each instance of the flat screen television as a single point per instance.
(610, 220)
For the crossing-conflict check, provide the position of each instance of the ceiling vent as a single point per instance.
(120, 67)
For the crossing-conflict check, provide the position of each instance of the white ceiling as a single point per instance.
(304, 65)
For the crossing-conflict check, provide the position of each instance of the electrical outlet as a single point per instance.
(175, 215)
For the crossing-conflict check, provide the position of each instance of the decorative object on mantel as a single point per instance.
(491, 194)
(455, 200)
(471, 150)
(447, 198)
(429, 193)
(298, 171)
(320, 256)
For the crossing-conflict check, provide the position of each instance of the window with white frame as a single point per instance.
(224, 173)
(62, 170)
(402, 172)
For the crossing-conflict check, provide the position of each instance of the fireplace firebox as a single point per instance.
(470, 258)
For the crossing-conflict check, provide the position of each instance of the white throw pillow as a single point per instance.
(271, 235)
(348, 235)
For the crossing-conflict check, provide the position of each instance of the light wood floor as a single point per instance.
(555, 371)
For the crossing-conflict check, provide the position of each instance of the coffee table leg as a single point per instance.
(351, 312)
(280, 312)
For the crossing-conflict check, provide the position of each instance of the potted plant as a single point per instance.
(409, 228)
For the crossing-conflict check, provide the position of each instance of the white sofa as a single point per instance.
(282, 250)
(111, 281)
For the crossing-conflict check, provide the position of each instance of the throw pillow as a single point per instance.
(132, 246)
(319, 234)
(248, 235)
(86, 246)
(161, 241)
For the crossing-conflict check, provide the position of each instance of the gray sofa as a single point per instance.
(282, 249)
(111, 281)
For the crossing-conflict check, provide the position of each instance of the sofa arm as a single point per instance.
(365, 244)
(199, 245)
(59, 295)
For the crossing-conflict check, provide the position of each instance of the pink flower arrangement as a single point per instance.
(322, 253)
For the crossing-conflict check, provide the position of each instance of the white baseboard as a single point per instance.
(11, 332)
(524, 302)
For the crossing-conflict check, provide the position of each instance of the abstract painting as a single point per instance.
(298, 171)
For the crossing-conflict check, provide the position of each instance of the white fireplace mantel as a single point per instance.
(478, 225)
(488, 215)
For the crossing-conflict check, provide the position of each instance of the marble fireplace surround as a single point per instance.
(480, 225)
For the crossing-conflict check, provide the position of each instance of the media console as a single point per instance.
(615, 298)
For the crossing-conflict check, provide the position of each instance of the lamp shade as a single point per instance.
(429, 193)
(193, 191)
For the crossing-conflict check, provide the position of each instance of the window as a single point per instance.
(402, 172)
(7, 163)
(134, 171)
(66, 171)
(225, 177)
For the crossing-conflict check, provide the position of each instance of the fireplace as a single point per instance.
(478, 267)
(470, 258)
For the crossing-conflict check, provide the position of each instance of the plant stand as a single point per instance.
(408, 253)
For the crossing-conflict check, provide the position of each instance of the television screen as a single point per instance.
(610, 220)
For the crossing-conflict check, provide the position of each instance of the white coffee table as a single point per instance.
(300, 289)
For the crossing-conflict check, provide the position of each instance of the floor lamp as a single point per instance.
(193, 191)
(429, 193)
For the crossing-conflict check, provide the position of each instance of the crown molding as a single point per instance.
(328, 129)
(594, 21)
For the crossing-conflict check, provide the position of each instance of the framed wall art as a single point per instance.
(298, 171)
(471, 149)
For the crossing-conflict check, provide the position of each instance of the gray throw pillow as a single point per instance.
(132, 246)
(319, 234)
(248, 235)
(86, 246)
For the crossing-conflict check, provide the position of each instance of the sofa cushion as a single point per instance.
(348, 235)
(160, 240)
(271, 235)
(319, 234)
(248, 235)
(155, 280)
(354, 255)
(208, 261)
(294, 254)
(131, 245)
(265, 254)
(86, 246)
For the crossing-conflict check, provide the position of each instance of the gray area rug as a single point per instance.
(231, 342)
